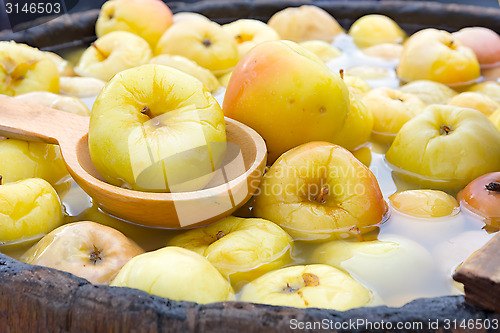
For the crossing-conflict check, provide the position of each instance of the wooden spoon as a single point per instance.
(161, 210)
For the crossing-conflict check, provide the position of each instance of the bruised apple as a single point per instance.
(482, 197)
(177, 274)
(320, 191)
(29, 209)
(283, 83)
(86, 249)
(241, 249)
(311, 286)
(155, 128)
(445, 147)
(148, 19)
(24, 69)
(437, 55)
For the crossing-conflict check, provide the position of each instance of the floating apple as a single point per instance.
(24, 69)
(325, 51)
(155, 128)
(58, 102)
(320, 191)
(177, 274)
(148, 19)
(437, 55)
(190, 67)
(311, 286)
(389, 267)
(113, 53)
(247, 33)
(29, 209)
(384, 50)
(482, 197)
(86, 249)
(241, 249)
(484, 42)
(305, 23)
(476, 101)
(375, 29)
(488, 88)
(425, 203)
(204, 42)
(81, 86)
(21, 159)
(283, 83)
(445, 147)
(391, 109)
(429, 92)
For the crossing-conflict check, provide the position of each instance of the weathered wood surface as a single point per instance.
(480, 275)
(39, 299)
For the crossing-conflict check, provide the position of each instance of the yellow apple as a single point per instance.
(148, 19)
(425, 203)
(241, 249)
(248, 33)
(392, 266)
(64, 67)
(495, 119)
(224, 79)
(488, 88)
(356, 85)
(86, 249)
(429, 92)
(155, 128)
(436, 55)
(188, 16)
(190, 67)
(484, 42)
(311, 286)
(113, 53)
(384, 50)
(177, 274)
(81, 86)
(375, 29)
(24, 69)
(320, 191)
(204, 42)
(445, 147)
(305, 23)
(391, 109)
(283, 83)
(325, 51)
(21, 159)
(58, 102)
(29, 209)
(476, 101)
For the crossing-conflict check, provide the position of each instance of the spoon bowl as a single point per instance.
(231, 186)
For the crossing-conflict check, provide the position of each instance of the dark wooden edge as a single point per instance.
(40, 299)
(411, 15)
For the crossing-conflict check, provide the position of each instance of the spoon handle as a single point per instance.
(38, 123)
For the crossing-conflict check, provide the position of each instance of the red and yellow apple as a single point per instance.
(484, 42)
(148, 19)
(320, 191)
(283, 83)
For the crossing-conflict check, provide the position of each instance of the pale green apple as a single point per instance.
(155, 128)
(241, 249)
(29, 209)
(445, 147)
(311, 286)
(175, 273)
(87, 249)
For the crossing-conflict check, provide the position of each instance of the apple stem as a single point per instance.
(206, 42)
(220, 234)
(95, 255)
(341, 72)
(289, 289)
(321, 197)
(99, 51)
(1, 179)
(357, 233)
(445, 130)
(147, 111)
(493, 186)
